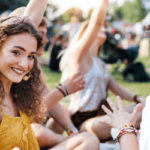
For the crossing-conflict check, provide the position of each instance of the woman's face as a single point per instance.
(17, 56)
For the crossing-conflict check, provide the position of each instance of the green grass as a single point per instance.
(52, 79)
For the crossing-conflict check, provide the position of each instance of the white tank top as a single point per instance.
(88, 99)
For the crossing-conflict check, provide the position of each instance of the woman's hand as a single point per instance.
(74, 83)
(119, 117)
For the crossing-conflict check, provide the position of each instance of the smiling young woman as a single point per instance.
(19, 98)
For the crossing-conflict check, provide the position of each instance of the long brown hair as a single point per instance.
(26, 94)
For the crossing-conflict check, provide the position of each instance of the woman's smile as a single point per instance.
(18, 71)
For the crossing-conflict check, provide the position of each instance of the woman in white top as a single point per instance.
(82, 56)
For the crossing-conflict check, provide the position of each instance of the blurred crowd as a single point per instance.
(122, 34)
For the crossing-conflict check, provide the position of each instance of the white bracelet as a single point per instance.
(71, 129)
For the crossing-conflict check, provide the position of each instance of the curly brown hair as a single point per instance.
(26, 94)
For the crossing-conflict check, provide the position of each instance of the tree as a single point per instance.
(117, 11)
(11, 4)
(72, 12)
(133, 11)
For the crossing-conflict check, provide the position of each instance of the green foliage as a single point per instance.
(11, 4)
(117, 11)
(133, 11)
(66, 17)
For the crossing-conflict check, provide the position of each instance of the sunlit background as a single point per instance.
(85, 5)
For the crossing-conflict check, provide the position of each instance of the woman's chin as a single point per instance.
(16, 80)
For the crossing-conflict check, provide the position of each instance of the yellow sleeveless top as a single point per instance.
(17, 132)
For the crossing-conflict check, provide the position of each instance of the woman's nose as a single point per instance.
(23, 62)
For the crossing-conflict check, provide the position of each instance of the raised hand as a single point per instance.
(119, 117)
(74, 83)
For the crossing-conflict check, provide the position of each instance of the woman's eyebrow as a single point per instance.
(33, 52)
(21, 48)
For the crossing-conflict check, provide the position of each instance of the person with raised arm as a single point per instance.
(82, 55)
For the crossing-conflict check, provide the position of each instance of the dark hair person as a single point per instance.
(20, 97)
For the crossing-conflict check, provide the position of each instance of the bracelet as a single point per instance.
(64, 88)
(61, 91)
(71, 129)
(135, 99)
(127, 131)
(128, 125)
(117, 133)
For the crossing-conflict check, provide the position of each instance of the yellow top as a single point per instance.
(17, 132)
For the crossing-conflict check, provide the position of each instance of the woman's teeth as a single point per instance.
(17, 71)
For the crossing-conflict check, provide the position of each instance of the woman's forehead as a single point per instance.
(25, 40)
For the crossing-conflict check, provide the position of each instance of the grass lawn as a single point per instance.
(143, 89)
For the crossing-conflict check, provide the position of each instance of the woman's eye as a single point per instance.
(31, 57)
(16, 53)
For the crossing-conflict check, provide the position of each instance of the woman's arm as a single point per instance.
(122, 92)
(129, 142)
(59, 114)
(96, 21)
(118, 118)
(73, 84)
(35, 10)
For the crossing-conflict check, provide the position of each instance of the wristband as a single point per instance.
(135, 99)
(71, 129)
(61, 91)
(64, 88)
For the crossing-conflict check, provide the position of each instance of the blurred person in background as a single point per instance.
(74, 27)
(56, 50)
(130, 42)
(82, 55)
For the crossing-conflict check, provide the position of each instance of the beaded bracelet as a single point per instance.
(127, 131)
(127, 128)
